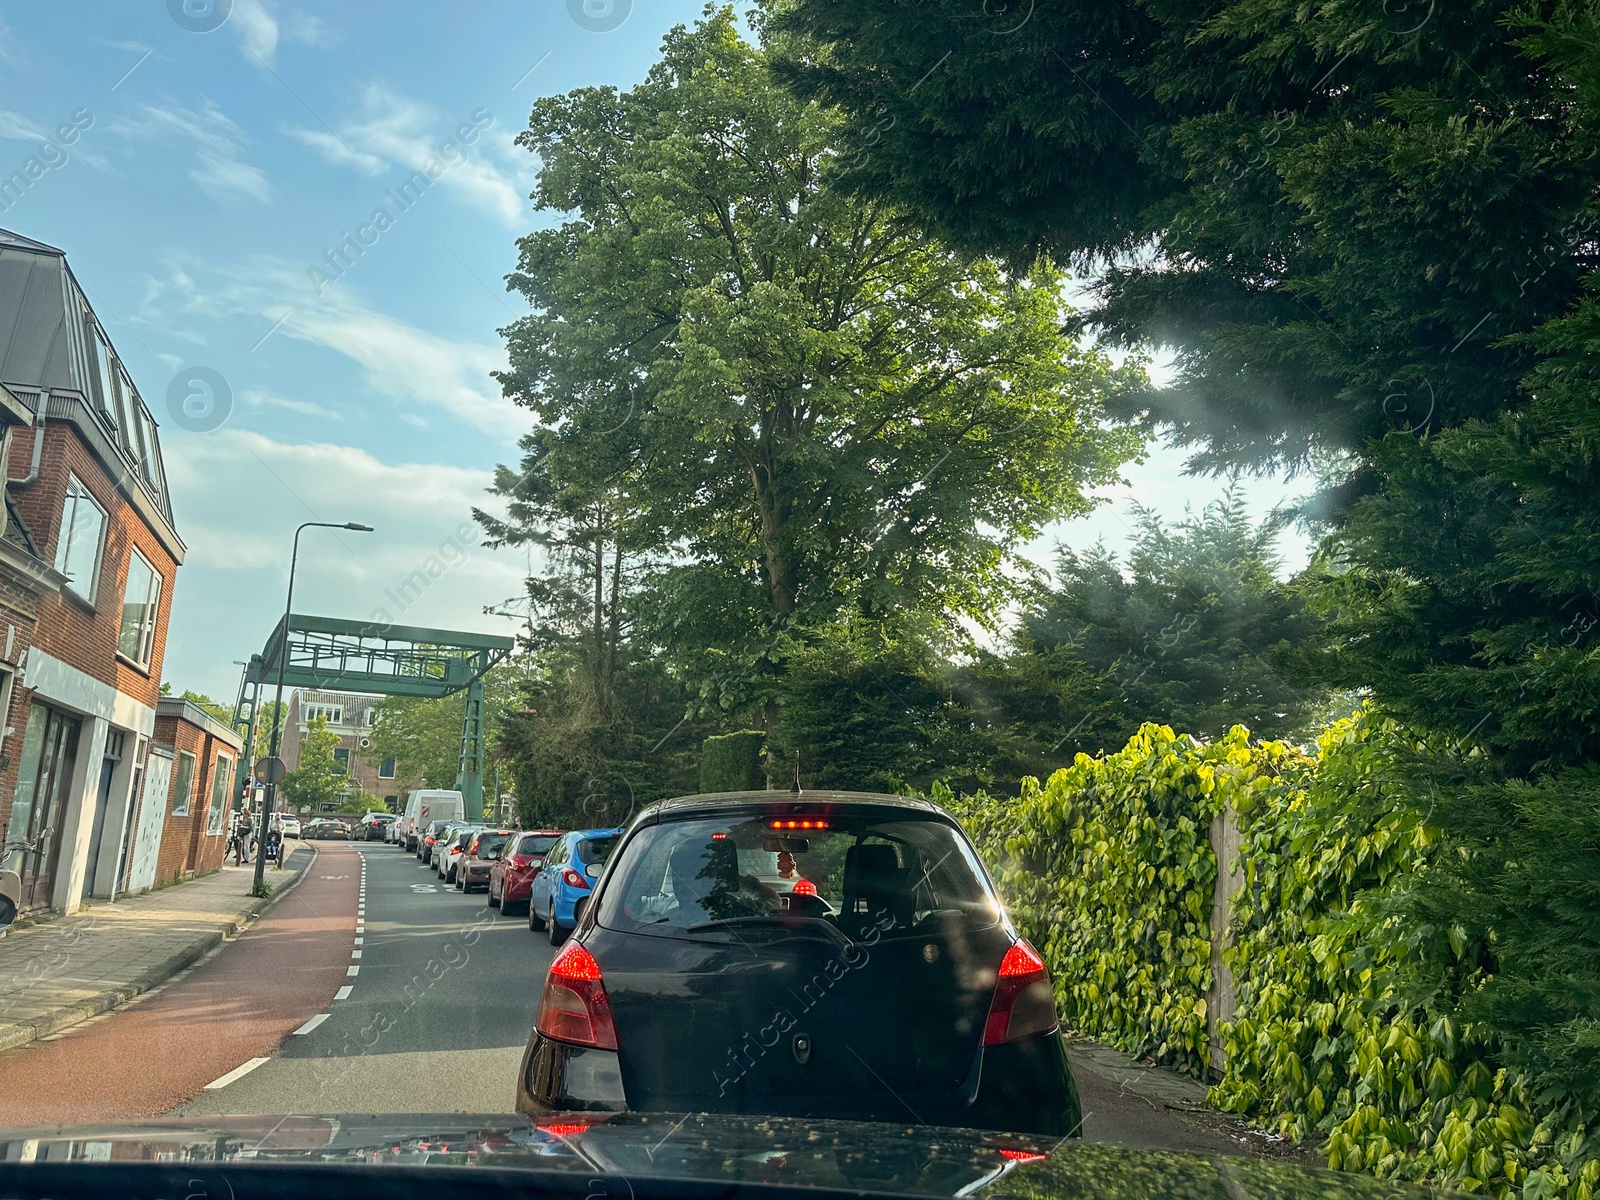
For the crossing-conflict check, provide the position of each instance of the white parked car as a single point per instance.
(289, 826)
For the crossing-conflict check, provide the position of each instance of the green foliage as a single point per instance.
(1187, 635)
(320, 778)
(1346, 1025)
(1108, 869)
(731, 762)
(220, 712)
(1341, 209)
(423, 734)
(823, 409)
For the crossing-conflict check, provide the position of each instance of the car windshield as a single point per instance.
(687, 877)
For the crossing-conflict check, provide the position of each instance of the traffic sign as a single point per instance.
(270, 770)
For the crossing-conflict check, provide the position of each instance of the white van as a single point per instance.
(424, 806)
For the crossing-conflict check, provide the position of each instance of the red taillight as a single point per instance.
(520, 860)
(1024, 1003)
(563, 1130)
(572, 879)
(575, 1007)
(804, 888)
(1024, 1156)
(432, 840)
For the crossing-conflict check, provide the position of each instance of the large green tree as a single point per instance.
(830, 410)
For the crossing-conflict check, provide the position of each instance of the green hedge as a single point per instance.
(1343, 1026)
(731, 762)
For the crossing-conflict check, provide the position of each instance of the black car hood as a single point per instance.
(613, 1152)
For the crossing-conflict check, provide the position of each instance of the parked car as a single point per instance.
(852, 943)
(482, 848)
(436, 832)
(375, 825)
(328, 830)
(288, 826)
(570, 868)
(511, 876)
(454, 845)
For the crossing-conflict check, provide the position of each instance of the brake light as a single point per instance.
(575, 1007)
(432, 840)
(572, 879)
(1024, 1003)
(798, 824)
(563, 1130)
(804, 888)
(1023, 1156)
(520, 860)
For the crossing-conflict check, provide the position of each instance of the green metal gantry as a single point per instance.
(329, 653)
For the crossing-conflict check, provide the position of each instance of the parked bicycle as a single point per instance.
(10, 881)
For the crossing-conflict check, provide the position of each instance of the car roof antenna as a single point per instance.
(795, 790)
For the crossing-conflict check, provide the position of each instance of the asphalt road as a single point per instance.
(436, 1017)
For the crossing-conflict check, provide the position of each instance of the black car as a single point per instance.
(693, 1156)
(818, 955)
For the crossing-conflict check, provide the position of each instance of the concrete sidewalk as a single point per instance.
(63, 970)
(1146, 1107)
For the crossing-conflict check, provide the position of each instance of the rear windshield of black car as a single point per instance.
(707, 876)
(534, 843)
(597, 850)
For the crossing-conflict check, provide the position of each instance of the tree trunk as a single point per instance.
(781, 583)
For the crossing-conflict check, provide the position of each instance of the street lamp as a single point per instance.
(269, 800)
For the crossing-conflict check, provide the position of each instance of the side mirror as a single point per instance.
(592, 871)
(578, 907)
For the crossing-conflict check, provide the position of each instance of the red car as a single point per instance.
(511, 875)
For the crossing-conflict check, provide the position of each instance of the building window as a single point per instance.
(139, 603)
(83, 529)
(184, 788)
(386, 768)
(333, 714)
(105, 364)
(219, 795)
(341, 760)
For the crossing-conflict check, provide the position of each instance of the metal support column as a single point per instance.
(244, 713)
(469, 777)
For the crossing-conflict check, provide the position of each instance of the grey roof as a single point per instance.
(51, 341)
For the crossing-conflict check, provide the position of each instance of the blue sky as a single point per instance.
(222, 165)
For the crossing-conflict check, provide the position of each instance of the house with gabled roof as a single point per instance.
(88, 556)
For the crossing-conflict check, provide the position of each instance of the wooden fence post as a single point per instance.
(1221, 1001)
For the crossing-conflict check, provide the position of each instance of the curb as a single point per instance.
(17, 1034)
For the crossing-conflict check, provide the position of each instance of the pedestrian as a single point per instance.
(241, 835)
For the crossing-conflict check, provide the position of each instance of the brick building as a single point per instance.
(87, 563)
(349, 715)
(205, 754)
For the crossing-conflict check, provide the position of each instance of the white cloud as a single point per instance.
(218, 145)
(18, 128)
(390, 132)
(403, 363)
(259, 26)
(254, 398)
(336, 152)
(424, 564)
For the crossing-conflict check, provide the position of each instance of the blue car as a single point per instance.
(568, 876)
